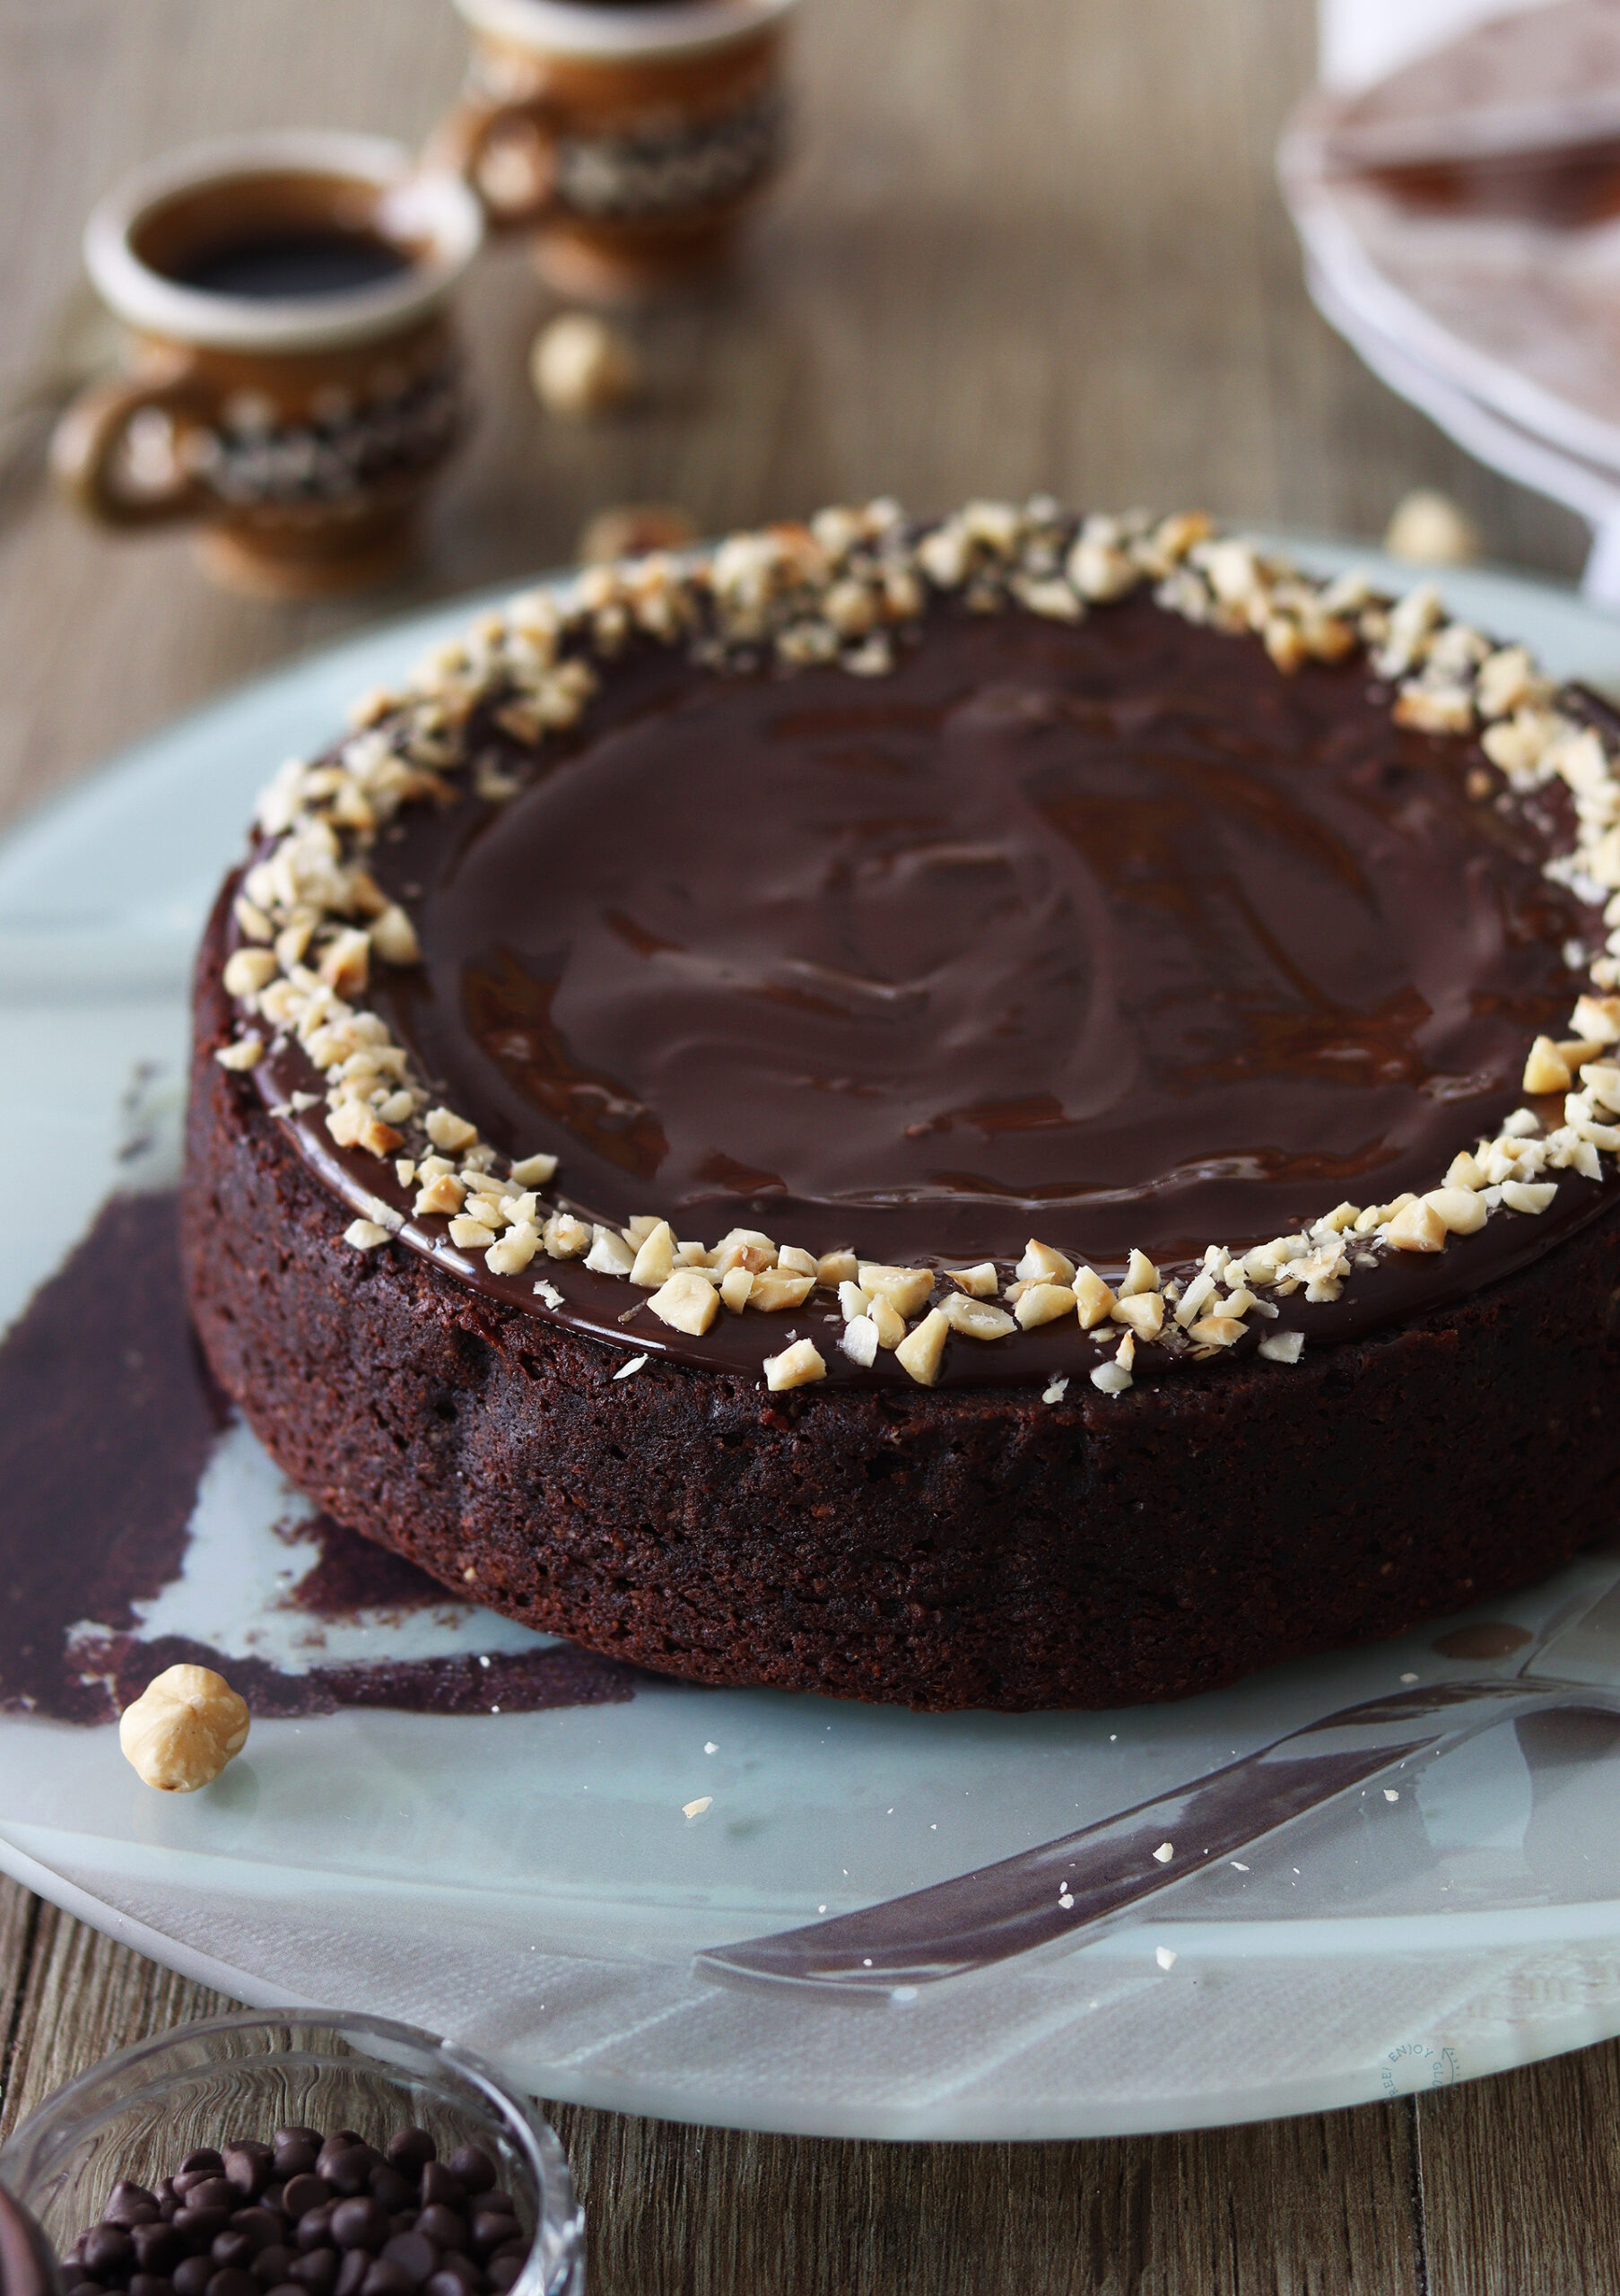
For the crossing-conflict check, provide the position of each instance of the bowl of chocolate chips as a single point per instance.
(297, 2152)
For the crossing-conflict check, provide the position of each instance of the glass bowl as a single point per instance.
(138, 2113)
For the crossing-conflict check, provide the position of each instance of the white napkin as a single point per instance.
(1359, 41)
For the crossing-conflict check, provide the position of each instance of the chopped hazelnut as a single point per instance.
(1141, 1275)
(772, 1292)
(795, 1261)
(1215, 1331)
(795, 1366)
(1092, 1298)
(581, 366)
(687, 1302)
(448, 1130)
(735, 1287)
(1043, 1303)
(565, 1237)
(512, 1252)
(365, 1235)
(471, 1235)
(609, 1255)
(1042, 1265)
(1282, 1346)
(887, 1321)
(247, 970)
(1417, 1227)
(1111, 1379)
(978, 1319)
(1528, 1196)
(835, 1269)
(183, 1729)
(443, 1194)
(1596, 1018)
(1461, 1210)
(980, 1282)
(904, 1288)
(1144, 1311)
(393, 936)
(534, 1171)
(247, 1052)
(653, 1262)
(1545, 1070)
(859, 1340)
(922, 1351)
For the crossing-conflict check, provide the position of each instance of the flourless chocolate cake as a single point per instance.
(1016, 1113)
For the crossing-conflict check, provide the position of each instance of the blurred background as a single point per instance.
(1037, 245)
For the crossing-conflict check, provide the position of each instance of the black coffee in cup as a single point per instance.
(291, 264)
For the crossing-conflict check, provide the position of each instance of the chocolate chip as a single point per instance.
(158, 2247)
(129, 2205)
(301, 2194)
(205, 2158)
(388, 2186)
(197, 2226)
(295, 2155)
(415, 2255)
(169, 2200)
(356, 2264)
(447, 2283)
(314, 2227)
(445, 2227)
(464, 2268)
(274, 2195)
(273, 2265)
(262, 2225)
(248, 2165)
(439, 2188)
(349, 2170)
(231, 2250)
(192, 2274)
(317, 2271)
(386, 2279)
(412, 2149)
(296, 2134)
(150, 2284)
(287, 2288)
(361, 2224)
(341, 2140)
(109, 2253)
(212, 2192)
(231, 2282)
(503, 2270)
(473, 2166)
(492, 2232)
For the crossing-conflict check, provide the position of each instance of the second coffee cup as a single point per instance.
(631, 139)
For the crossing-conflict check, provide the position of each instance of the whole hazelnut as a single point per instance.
(183, 1729)
(579, 365)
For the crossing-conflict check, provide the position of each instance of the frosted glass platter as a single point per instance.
(682, 1902)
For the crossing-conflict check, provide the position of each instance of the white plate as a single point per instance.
(529, 1884)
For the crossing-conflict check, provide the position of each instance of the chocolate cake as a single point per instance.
(1019, 1113)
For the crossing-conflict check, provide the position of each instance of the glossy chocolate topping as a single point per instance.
(1110, 933)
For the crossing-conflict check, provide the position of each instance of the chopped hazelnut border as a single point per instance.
(849, 588)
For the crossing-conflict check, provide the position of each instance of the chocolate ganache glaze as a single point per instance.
(1104, 931)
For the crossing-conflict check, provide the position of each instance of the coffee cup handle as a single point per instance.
(466, 142)
(85, 445)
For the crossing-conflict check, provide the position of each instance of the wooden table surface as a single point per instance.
(1030, 244)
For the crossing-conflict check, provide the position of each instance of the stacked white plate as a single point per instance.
(1460, 215)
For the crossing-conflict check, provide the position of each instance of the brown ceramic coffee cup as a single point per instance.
(633, 139)
(292, 382)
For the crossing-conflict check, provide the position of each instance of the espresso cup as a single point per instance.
(292, 379)
(632, 139)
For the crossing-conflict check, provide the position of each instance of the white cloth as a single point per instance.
(1359, 41)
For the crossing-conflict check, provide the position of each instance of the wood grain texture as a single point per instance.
(1021, 245)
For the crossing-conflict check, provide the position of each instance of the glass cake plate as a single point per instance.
(770, 1911)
